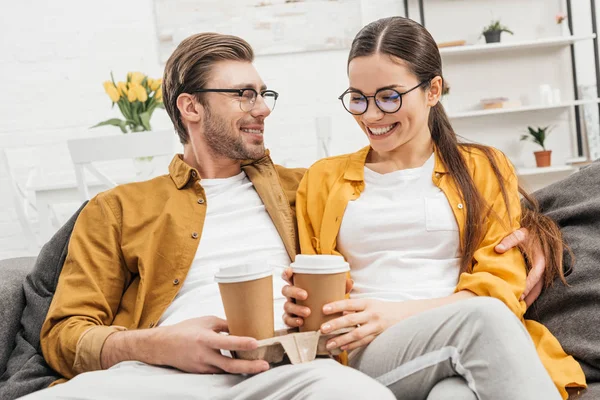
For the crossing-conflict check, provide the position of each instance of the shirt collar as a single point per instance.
(355, 170)
(181, 172)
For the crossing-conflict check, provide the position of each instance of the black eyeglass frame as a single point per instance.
(341, 98)
(240, 93)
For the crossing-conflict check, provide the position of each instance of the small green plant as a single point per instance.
(445, 88)
(495, 26)
(537, 136)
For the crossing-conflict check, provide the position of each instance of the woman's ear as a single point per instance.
(434, 94)
(190, 109)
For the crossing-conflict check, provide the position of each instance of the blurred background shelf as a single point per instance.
(556, 169)
(497, 111)
(558, 41)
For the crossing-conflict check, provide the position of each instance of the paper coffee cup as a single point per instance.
(323, 277)
(247, 295)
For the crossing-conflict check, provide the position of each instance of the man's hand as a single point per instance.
(535, 281)
(191, 346)
(294, 314)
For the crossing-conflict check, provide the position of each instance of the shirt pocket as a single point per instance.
(439, 215)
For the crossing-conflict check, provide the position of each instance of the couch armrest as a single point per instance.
(12, 302)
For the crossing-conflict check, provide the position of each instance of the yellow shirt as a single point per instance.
(130, 252)
(331, 183)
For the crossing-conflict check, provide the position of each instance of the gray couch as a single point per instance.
(572, 312)
(26, 289)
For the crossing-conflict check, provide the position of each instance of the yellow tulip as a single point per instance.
(155, 84)
(140, 92)
(122, 86)
(112, 91)
(158, 95)
(136, 77)
(131, 96)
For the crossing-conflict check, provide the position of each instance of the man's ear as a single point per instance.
(189, 108)
(434, 94)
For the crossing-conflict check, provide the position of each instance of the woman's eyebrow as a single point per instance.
(381, 88)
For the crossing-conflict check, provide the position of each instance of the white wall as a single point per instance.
(54, 57)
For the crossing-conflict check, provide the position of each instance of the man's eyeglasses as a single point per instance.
(387, 100)
(248, 97)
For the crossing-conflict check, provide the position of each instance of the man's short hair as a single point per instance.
(190, 66)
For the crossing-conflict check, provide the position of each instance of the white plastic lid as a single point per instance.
(319, 264)
(243, 273)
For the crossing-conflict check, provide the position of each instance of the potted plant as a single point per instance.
(137, 98)
(493, 31)
(538, 136)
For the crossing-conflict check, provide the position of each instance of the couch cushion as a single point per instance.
(592, 393)
(572, 313)
(12, 302)
(26, 370)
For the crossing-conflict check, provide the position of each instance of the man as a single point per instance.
(136, 291)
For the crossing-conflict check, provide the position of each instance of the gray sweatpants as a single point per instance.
(320, 379)
(474, 349)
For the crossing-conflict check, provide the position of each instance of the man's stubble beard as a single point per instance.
(223, 142)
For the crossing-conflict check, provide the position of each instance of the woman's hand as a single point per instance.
(373, 316)
(294, 314)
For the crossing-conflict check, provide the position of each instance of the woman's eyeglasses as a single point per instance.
(387, 100)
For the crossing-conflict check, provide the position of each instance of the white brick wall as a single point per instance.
(55, 55)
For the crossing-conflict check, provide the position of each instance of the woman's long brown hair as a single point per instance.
(411, 43)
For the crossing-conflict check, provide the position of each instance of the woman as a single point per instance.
(417, 216)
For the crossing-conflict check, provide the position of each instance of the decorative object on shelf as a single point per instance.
(454, 43)
(493, 31)
(548, 95)
(499, 102)
(538, 136)
(592, 124)
(137, 98)
(560, 20)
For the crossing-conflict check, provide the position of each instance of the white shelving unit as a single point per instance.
(497, 111)
(534, 178)
(558, 169)
(558, 41)
(511, 50)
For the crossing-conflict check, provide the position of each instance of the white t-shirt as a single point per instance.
(401, 237)
(237, 229)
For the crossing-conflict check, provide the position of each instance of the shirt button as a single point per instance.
(195, 235)
(176, 282)
(200, 201)
(460, 206)
(437, 174)
(193, 174)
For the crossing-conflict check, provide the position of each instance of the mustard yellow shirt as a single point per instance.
(331, 183)
(130, 252)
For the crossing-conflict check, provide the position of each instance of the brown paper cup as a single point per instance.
(321, 289)
(324, 279)
(247, 295)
